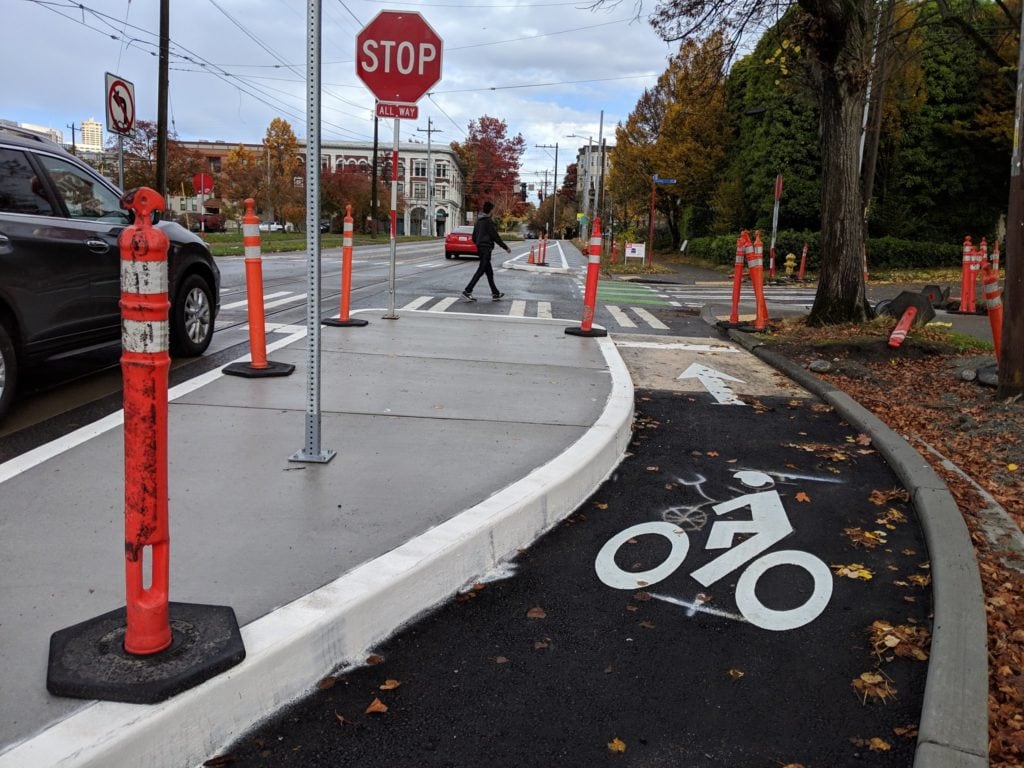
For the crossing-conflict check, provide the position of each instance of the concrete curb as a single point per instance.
(292, 647)
(953, 732)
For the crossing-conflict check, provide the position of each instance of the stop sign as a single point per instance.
(398, 56)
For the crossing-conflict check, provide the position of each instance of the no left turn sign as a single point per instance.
(120, 101)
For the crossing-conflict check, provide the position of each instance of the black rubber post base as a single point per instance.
(589, 334)
(246, 370)
(350, 323)
(88, 660)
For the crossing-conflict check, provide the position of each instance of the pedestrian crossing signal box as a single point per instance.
(633, 251)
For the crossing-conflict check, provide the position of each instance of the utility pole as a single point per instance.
(1011, 356)
(431, 216)
(373, 180)
(554, 185)
(161, 98)
(74, 151)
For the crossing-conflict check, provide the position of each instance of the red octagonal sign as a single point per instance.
(398, 56)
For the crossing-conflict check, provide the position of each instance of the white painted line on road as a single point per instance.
(37, 456)
(676, 345)
(620, 317)
(281, 302)
(443, 304)
(675, 304)
(544, 310)
(518, 308)
(417, 303)
(650, 319)
(244, 302)
(696, 606)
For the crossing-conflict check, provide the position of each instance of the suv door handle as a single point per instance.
(97, 246)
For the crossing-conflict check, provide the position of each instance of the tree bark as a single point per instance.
(840, 72)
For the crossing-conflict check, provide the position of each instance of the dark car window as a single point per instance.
(84, 196)
(20, 189)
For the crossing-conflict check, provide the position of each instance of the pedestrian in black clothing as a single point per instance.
(485, 235)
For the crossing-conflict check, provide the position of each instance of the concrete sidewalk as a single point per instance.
(460, 439)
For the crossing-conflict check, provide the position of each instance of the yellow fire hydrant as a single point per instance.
(790, 264)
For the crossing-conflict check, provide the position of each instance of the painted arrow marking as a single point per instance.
(714, 382)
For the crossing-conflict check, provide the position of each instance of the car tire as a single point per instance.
(192, 317)
(447, 255)
(8, 371)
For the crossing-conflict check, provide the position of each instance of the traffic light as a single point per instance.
(522, 190)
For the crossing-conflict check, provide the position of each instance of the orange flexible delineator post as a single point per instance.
(967, 277)
(182, 644)
(755, 264)
(899, 333)
(737, 275)
(803, 264)
(343, 320)
(993, 305)
(258, 366)
(543, 261)
(590, 291)
(531, 259)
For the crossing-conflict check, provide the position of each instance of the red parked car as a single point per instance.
(459, 242)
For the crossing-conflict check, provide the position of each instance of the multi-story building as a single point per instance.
(413, 177)
(92, 137)
(591, 163)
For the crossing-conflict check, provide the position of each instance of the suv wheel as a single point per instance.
(8, 371)
(192, 318)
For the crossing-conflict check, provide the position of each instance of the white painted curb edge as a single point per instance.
(291, 648)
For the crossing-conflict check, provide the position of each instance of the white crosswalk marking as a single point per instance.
(281, 302)
(650, 319)
(544, 310)
(419, 302)
(245, 302)
(443, 304)
(620, 317)
(518, 308)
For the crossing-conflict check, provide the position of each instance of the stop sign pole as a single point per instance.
(398, 56)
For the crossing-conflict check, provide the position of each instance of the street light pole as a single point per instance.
(431, 216)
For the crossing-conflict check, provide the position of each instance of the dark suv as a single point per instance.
(60, 267)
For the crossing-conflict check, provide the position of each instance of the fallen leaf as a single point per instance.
(653, 469)
(327, 682)
(500, 660)
(647, 624)
(802, 497)
(389, 685)
(342, 720)
(879, 745)
(536, 613)
(617, 745)
(374, 659)
(601, 505)
(220, 760)
(853, 571)
(377, 707)
(736, 674)
(540, 645)
(712, 454)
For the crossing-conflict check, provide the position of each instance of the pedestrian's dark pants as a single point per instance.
(485, 268)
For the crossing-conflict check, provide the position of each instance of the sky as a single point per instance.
(549, 69)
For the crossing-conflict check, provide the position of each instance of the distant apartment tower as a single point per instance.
(92, 136)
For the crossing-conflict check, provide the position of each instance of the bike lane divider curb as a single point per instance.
(953, 731)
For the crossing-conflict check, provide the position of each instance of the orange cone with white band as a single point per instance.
(590, 292)
(737, 275)
(343, 319)
(994, 304)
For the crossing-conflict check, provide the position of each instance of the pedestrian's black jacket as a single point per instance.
(485, 234)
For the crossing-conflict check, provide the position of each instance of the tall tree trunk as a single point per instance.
(841, 69)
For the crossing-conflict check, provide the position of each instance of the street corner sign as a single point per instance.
(398, 56)
(120, 101)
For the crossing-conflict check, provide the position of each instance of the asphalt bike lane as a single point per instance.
(750, 588)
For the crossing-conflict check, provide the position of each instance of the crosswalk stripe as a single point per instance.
(281, 302)
(544, 310)
(417, 303)
(620, 317)
(443, 304)
(650, 319)
(518, 308)
(245, 302)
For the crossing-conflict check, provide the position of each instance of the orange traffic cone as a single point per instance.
(531, 261)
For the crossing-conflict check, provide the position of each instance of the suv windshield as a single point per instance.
(84, 196)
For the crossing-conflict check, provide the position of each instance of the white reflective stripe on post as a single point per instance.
(595, 258)
(250, 230)
(753, 263)
(253, 252)
(143, 277)
(144, 337)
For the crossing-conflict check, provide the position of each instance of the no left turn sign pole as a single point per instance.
(398, 56)
(120, 102)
